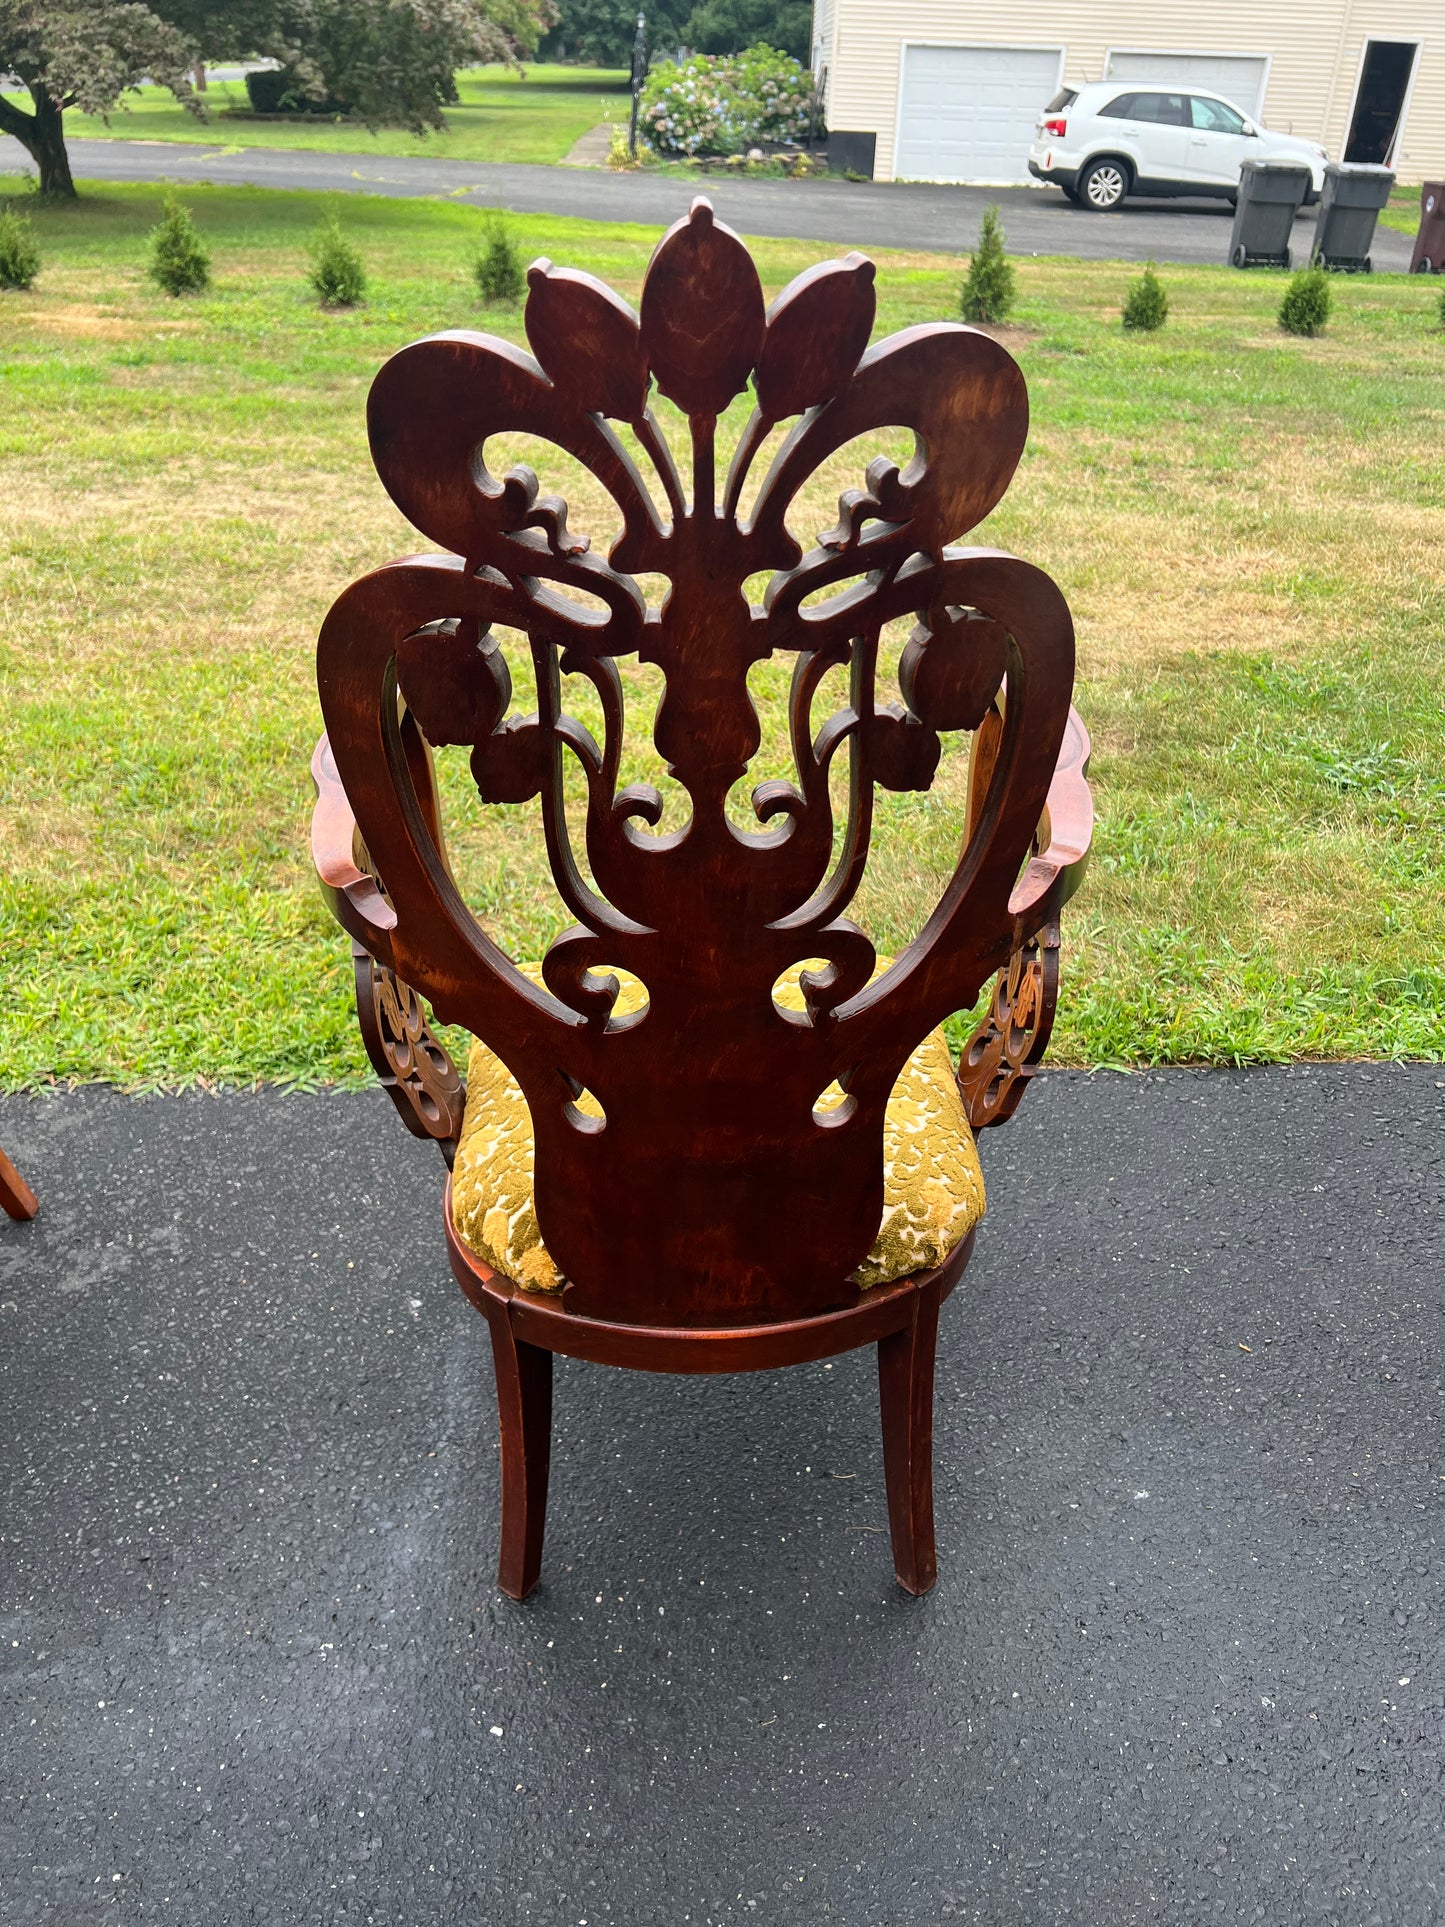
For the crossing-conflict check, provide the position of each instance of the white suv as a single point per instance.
(1112, 138)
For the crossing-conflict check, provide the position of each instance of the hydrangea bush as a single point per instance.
(725, 103)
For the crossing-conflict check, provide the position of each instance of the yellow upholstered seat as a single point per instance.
(932, 1184)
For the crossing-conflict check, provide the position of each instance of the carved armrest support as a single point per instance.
(1009, 1044)
(414, 1069)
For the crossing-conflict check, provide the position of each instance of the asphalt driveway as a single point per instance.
(1183, 1663)
(852, 213)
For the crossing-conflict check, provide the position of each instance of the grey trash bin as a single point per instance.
(1349, 206)
(1270, 193)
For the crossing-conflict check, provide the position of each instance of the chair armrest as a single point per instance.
(352, 892)
(1008, 1046)
(1066, 831)
(414, 1069)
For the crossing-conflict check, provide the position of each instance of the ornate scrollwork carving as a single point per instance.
(1008, 1046)
(712, 1168)
(413, 1068)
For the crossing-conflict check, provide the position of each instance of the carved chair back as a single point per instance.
(713, 1190)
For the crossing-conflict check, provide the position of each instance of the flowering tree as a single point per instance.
(84, 54)
(388, 60)
(394, 61)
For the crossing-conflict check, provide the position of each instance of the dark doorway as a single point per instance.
(1384, 83)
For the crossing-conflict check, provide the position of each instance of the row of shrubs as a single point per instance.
(987, 294)
(180, 264)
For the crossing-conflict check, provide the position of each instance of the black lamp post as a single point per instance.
(639, 74)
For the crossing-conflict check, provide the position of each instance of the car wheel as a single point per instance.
(1103, 185)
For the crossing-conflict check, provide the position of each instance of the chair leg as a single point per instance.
(905, 1395)
(16, 1197)
(524, 1406)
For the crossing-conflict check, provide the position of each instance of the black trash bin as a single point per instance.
(1349, 207)
(1270, 193)
(1429, 253)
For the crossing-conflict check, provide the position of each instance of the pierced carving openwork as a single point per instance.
(1008, 1046)
(714, 1192)
(413, 1067)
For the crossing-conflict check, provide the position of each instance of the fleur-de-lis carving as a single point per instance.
(712, 1161)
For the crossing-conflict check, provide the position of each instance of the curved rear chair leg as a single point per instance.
(524, 1407)
(905, 1395)
(16, 1197)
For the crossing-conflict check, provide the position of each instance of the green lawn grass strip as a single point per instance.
(503, 114)
(1246, 527)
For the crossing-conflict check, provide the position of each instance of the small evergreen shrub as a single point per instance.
(1147, 305)
(336, 273)
(19, 252)
(499, 266)
(1306, 305)
(179, 263)
(988, 287)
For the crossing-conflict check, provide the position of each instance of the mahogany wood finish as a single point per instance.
(905, 1396)
(711, 1218)
(527, 1327)
(16, 1198)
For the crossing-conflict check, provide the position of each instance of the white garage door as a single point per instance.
(968, 113)
(1239, 77)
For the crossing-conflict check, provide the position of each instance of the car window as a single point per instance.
(1167, 110)
(1214, 117)
(1120, 108)
(1065, 97)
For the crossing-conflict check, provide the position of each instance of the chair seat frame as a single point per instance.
(528, 1327)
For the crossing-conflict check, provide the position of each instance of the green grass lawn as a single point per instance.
(1403, 213)
(1246, 525)
(504, 115)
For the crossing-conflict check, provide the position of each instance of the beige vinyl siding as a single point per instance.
(1313, 48)
(824, 20)
(1420, 148)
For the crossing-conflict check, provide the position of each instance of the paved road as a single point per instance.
(1183, 1665)
(856, 214)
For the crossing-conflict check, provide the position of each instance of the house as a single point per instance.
(941, 90)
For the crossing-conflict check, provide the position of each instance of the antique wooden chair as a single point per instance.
(17, 1200)
(706, 1059)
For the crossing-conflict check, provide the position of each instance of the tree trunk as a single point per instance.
(42, 135)
(49, 149)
